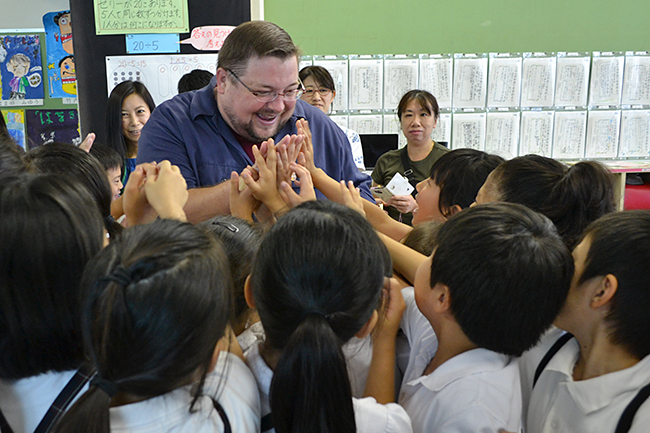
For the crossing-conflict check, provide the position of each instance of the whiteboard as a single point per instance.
(160, 73)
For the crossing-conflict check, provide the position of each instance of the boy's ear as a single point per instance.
(605, 291)
(454, 210)
(248, 292)
(369, 326)
(440, 298)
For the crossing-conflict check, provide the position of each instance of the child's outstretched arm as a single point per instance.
(381, 376)
(405, 260)
(331, 189)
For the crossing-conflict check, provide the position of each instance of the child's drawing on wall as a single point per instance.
(21, 70)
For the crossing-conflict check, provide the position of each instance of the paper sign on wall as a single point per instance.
(152, 43)
(208, 38)
(48, 126)
(21, 74)
(119, 17)
(61, 70)
(15, 120)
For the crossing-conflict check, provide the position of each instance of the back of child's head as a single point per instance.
(423, 237)
(107, 157)
(572, 197)
(11, 162)
(508, 274)
(240, 241)
(68, 160)
(157, 301)
(620, 245)
(194, 80)
(460, 174)
(49, 229)
(316, 282)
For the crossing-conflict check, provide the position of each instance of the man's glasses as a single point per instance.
(266, 97)
(322, 92)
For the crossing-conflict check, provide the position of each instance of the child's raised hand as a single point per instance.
(265, 188)
(134, 200)
(242, 202)
(87, 144)
(352, 197)
(307, 148)
(167, 192)
(306, 188)
(395, 306)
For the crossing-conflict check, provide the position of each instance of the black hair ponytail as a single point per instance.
(312, 360)
(583, 194)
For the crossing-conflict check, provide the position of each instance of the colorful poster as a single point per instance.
(48, 126)
(15, 120)
(21, 74)
(61, 75)
(119, 17)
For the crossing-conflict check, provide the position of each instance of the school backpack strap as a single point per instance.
(555, 348)
(80, 378)
(267, 422)
(625, 422)
(224, 417)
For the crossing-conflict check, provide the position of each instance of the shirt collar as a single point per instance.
(203, 102)
(596, 393)
(473, 361)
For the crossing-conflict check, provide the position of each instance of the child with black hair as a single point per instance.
(596, 377)
(113, 165)
(194, 80)
(155, 324)
(571, 196)
(317, 282)
(49, 229)
(455, 178)
(469, 315)
(240, 240)
(68, 160)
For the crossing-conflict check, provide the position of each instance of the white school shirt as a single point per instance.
(370, 416)
(355, 144)
(560, 404)
(476, 391)
(231, 383)
(24, 402)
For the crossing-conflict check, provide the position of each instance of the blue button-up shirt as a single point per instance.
(189, 131)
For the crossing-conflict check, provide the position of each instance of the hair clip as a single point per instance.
(233, 228)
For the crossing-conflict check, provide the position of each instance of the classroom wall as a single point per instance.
(28, 14)
(462, 26)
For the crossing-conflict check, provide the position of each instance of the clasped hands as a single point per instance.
(278, 167)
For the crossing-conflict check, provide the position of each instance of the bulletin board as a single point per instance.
(91, 49)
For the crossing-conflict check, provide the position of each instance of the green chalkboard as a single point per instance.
(462, 26)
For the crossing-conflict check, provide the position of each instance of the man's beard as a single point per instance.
(247, 130)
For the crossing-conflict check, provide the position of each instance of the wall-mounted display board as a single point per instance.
(93, 45)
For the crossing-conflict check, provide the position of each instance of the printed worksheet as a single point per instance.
(504, 83)
(366, 83)
(602, 134)
(536, 133)
(340, 119)
(337, 66)
(436, 77)
(635, 134)
(502, 135)
(606, 79)
(636, 81)
(538, 81)
(569, 134)
(400, 76)
(468, 131)
(470, 82)
(366, 123)
(442, 132)
(572, 81)
(392, 126)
